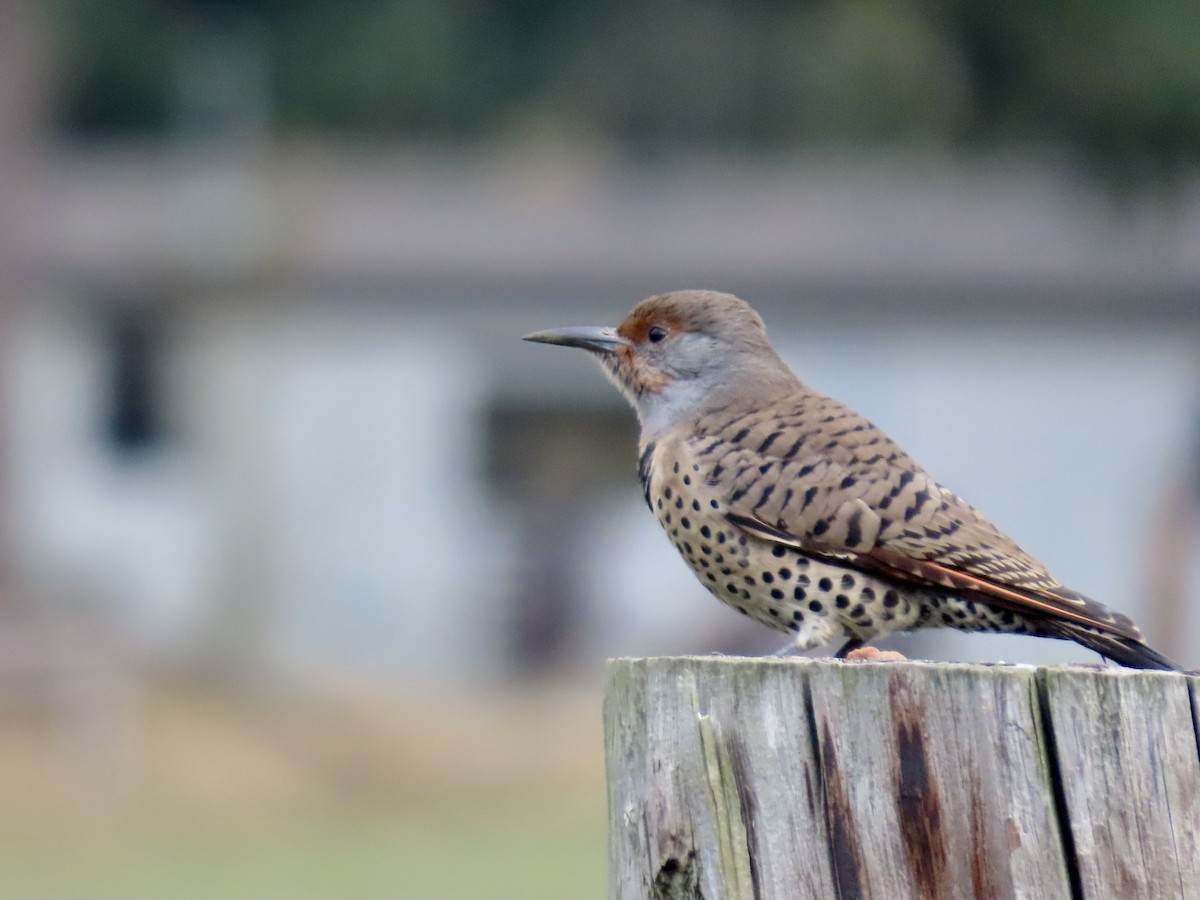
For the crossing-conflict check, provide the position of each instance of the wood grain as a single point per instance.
(798, 778)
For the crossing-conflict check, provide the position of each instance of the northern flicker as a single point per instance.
(798, 512)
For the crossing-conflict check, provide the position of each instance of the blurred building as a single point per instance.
(273, 405)
(265, 402)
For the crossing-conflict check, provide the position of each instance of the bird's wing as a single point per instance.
(811, 473)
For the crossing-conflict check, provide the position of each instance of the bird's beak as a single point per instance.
(590, 337)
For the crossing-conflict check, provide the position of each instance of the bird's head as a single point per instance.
(678, 355)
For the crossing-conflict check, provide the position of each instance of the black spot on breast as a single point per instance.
(685, 522)
(825, 585)
(815, 605)
(847, 581)
(777, 593)
(809, 496)
(841, 601)
(739, 437)
(767, 577)
(890, 598)
(799, 594)
(848, 482)
(785, 574)
(821, 527)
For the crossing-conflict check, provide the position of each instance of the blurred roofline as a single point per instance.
(910, 234)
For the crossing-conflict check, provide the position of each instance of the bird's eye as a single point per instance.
(656, 334)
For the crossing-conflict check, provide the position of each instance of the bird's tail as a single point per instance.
(1127, 651)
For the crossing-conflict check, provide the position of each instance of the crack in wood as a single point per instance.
(844, 849)
(918, 804)
(1062, 814)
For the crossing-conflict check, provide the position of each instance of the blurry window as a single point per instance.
(134, 419)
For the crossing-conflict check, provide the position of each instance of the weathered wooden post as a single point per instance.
(798, 778)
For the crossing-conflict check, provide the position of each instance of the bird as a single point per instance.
(800, 513)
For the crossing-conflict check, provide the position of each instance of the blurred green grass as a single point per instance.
(517, 846)
(334, 793)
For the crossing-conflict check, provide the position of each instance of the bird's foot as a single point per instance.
(788, 649)
(874, 654)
